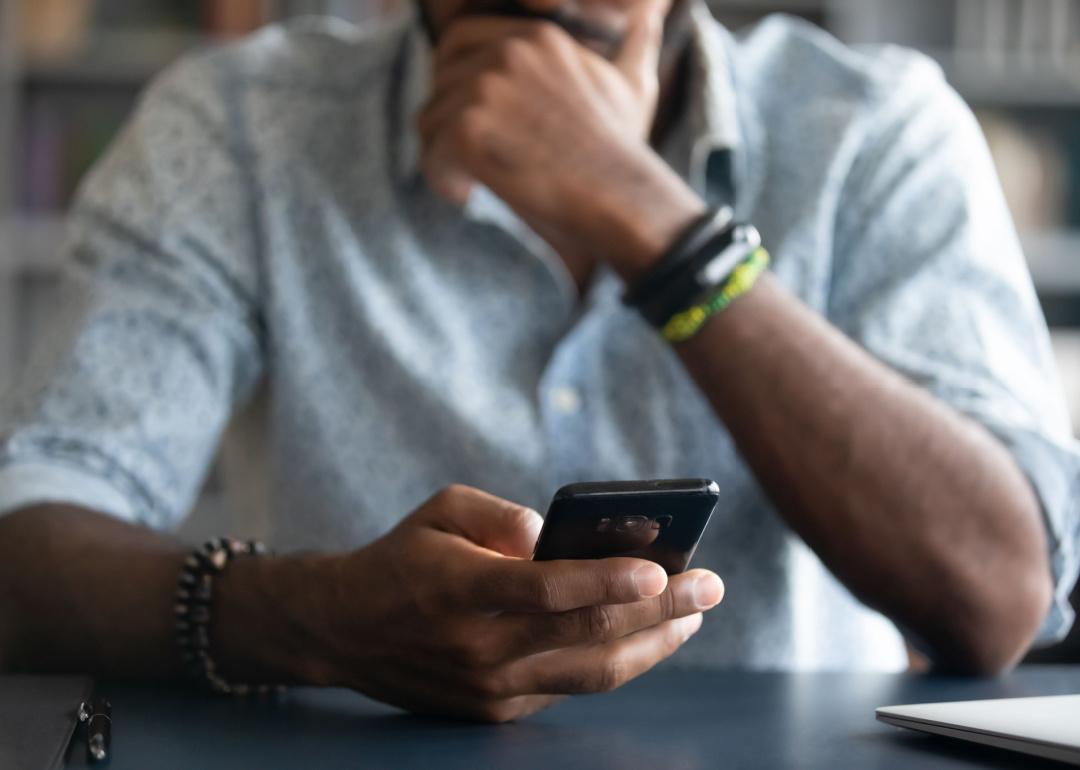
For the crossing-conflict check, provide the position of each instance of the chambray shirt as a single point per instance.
(258, 252)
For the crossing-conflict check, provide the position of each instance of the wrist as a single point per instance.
(269, 620)
(635, 218)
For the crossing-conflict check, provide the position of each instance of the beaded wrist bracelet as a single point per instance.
(703, 275)
(194, 609)
(682, 326)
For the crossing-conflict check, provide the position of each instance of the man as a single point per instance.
(410, 258)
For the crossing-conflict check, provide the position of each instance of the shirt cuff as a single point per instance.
(34, 483)
(1054, 473)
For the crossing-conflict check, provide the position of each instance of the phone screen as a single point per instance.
(660, 520)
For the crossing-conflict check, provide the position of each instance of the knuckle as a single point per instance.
(520, 518)
(428, 600)
(666, 603)
(456, 491)
(484, 657)
(448, 495)
(490, 684)
(473, 127)
(545, 594)
(611, 584)
(673, 639)
(515, 53)
(611, 675)
(460, 651)
(600, 622)
(548, 35)
(474, 652)
(497, 711)
(487, 87)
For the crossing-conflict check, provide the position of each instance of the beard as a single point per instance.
(601, 36)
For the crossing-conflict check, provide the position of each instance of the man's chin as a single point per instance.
(603, 36)
(600, 35)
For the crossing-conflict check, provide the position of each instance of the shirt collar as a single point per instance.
(709, 123)
(414, 75)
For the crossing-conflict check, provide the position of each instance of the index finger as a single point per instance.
(639, 56)
(473, 31)
(519, 585)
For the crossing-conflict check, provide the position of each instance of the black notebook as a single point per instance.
(38, 715)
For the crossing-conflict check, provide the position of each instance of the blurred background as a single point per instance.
(71, 70)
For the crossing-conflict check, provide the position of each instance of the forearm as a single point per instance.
(919, 511)
(85, 592)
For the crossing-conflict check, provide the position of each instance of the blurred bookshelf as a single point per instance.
(70, 72)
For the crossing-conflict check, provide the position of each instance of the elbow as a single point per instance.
(999, 630)
(980, 658)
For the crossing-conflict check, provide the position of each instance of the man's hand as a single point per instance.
(447, 614)
(559, 133)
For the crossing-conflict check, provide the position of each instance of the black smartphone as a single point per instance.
(661, 521)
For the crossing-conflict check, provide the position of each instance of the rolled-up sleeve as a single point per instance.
(156, 334)
(930, 278)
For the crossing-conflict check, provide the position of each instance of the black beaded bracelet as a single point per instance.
(193, 611)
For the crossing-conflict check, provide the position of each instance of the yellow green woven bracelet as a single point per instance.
(682, 326)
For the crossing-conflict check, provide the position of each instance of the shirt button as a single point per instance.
(566, 400)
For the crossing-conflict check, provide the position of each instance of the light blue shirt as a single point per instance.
(258, 247)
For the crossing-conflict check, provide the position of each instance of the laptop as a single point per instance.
(1045, 727)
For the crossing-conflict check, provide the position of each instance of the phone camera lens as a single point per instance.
(631, 523)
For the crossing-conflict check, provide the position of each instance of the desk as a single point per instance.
(668, 720)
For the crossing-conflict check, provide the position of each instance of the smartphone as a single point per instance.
(660, 520)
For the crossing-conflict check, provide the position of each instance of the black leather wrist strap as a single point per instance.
(678, 253)
(194, 612)
(702, 274)
(683, 275)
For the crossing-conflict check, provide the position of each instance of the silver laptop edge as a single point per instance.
(1033, 747)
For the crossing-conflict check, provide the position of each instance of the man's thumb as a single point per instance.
(639, 54)
(489, 521)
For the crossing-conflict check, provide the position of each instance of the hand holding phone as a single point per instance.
(661, 520)
(446, 613)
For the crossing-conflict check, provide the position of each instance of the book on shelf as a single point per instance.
(55, 30)
(1032, 163)
(82, 65)
(60, 135)
(1044, 31)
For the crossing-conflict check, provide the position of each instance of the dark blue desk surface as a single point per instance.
(668, 720)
